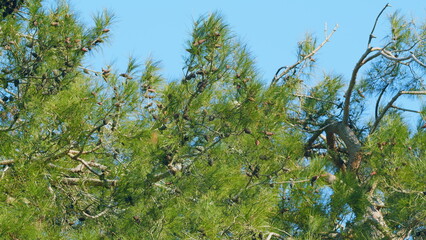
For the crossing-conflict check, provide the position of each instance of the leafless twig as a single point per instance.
(288, 69)
(97, 215)
(405, 109)
(390, 104)
(375, 24)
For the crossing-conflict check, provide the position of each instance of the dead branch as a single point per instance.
(272, 234)
(417, 60)
(97, 215)
(376, 110)
(4, 172)
(7, 162)
(79, 168)
(390, 104)
(88, 164)
(405, 109)
(292, 181)
(361, 62)
(308, 56)
(388, 55)
(89, 181)
(370, 38)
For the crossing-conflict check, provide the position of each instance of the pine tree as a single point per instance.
(219, 154)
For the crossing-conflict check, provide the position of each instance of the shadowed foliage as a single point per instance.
(218, 154)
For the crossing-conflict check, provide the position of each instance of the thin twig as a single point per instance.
(299, 181)
(376, 111)
(315, 98)
(97, 215)
(351, 86)
(375, 24)
(417, 60)
(405, 109)
(288, 69)
(75, 152)
(389, 105)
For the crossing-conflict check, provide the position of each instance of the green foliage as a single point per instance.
(111, 154)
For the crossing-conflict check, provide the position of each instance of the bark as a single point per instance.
(351, 141)
(353, 146)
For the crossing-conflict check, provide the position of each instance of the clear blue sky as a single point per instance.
(271, 29)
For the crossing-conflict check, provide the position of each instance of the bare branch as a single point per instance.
(414, 92)
(376, 218)
(390, 104)
(75, 152)
(4, 172)
(375, 24)
(77, 169)
(272, 234)
(89, 164)
(405, 109)
(363, 60)
(388, 55)
(288, 69)
(376, 111)
(7, 162)
(97, 215)
(417, 60)
(89, 181)
(292, 181)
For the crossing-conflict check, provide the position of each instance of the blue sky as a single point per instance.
(271, 29)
